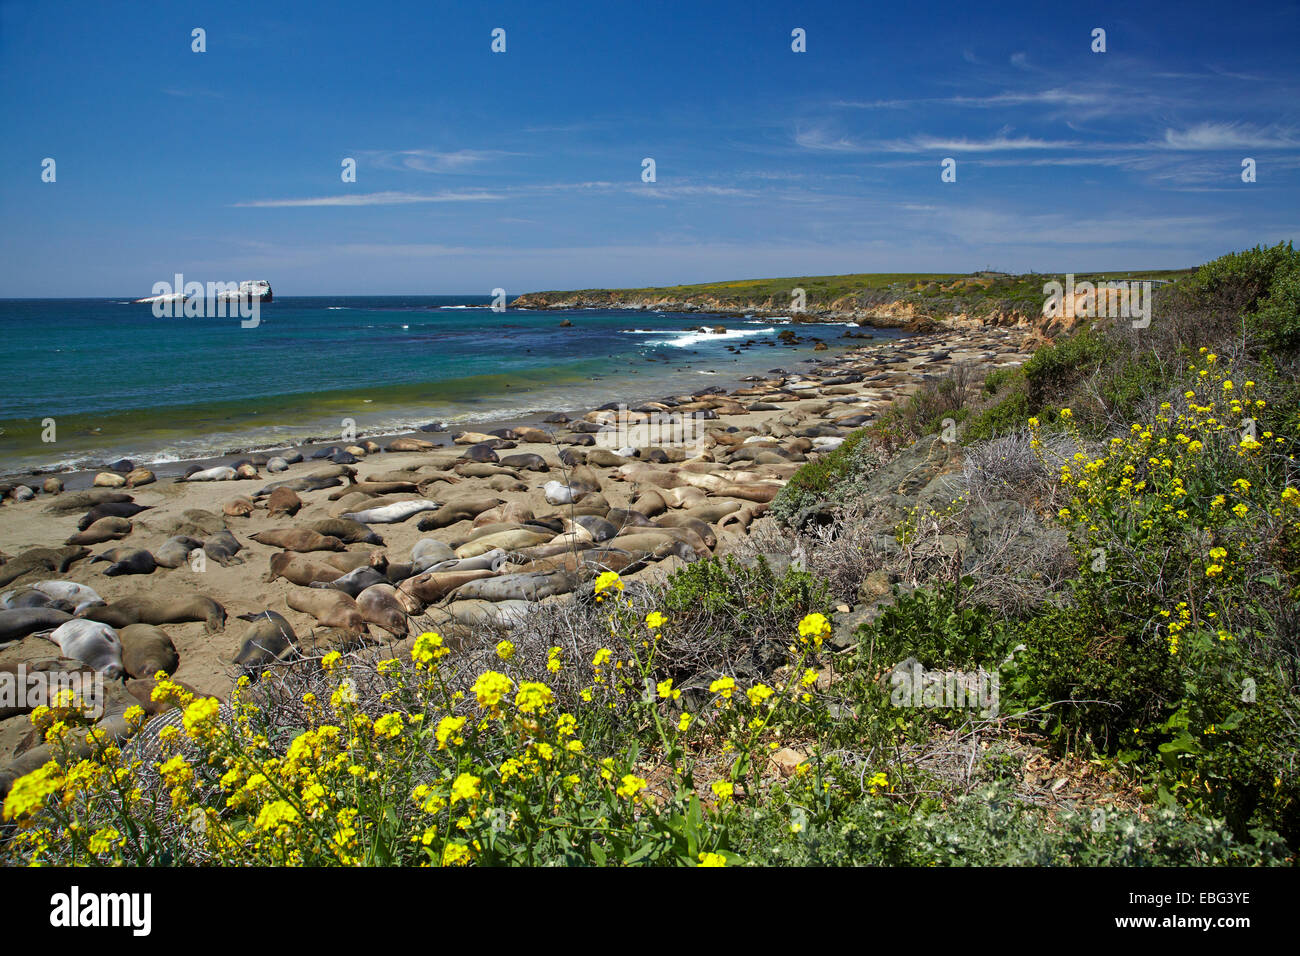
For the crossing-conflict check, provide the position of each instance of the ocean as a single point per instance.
(116, 381)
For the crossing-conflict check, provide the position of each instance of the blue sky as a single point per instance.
(523, 169)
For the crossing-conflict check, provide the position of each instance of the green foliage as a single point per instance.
(936, 628)
(991, 828)
(745, 598)
(818, 481)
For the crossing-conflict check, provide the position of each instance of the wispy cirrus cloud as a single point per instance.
(433, 160)
(390, 198)
(1229, 136)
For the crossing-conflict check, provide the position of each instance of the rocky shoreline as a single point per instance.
(377, 543)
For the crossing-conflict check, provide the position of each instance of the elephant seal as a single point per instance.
(16, 623)
(52, 486)
(346, 530)
(381, 607)
(91, 642)
(599, 528)
(80, 596)
(126, 561)
(176, 550)
(222, 548)
(105, 529)
(276, 465)
(30, 597)
(82, 500)
(300, 570)
(517, 587)
(266, 641)
(492, 561)
(140, 476)
(430, 550)
(107, 479)
(298, 539)
(685, 520)
(238, 508)
(351, 560)
(146, 650)
(460, 508)
(354, 582)
(114, 509)
(527, 462)
(283, 501)
(218, 473)
(433, 586)
(509, 540)
(483, 452)
(627, 518)
(141, 610)
(391, 514)
(330, 608)
(376, 488)
(41, 559)
(410, 444)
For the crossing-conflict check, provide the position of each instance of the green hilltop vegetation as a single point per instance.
(927, 291)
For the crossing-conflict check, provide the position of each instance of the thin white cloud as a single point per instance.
(368, 199)
(1228, 136)
(432, 160)
(963, 145)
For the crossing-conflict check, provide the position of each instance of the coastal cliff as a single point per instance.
(918, 302)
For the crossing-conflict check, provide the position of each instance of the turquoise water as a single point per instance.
(118, 381)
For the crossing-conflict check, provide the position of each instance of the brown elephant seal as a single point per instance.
(376, 488)
(481, 452)
(351, 560)
(627, 518)
(298, 539)
(432, 587)
(114, 509)
(176, 551)
(283, 501)
(460, 508)
(105, 529)
(410, 444)
(526, 462)
(238, 508)
(301, 570)
(678, 519)
(142, 610)
(52, 486)
(126, 561)
(346, 530)
(533, 436)
(140, 476)
(330, 608)
(266, 641)
(108, 479)
(146, 650)
(381, 607)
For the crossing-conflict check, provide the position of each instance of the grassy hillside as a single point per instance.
(927, 291)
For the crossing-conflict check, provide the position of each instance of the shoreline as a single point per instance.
(688, 377)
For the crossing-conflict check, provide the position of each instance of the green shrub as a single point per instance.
(818, 481)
